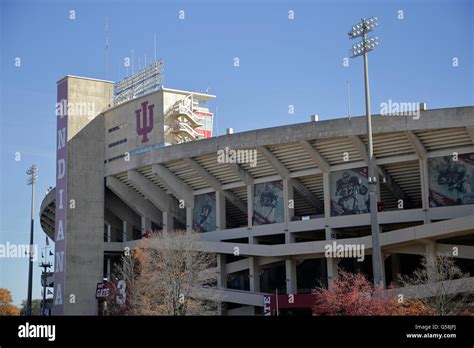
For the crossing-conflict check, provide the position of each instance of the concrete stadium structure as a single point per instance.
(269, 221)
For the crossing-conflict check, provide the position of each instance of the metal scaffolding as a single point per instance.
(144, 81)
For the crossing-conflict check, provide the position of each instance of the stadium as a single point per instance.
(275, 205)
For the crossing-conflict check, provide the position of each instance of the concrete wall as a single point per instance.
(439, 118)
(125, 117)
(84, 234)
(89, 98)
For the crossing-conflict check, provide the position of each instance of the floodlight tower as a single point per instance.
(32, 173)
(363, 48)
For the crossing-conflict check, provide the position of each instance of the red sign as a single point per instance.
(204, 133)
(144, 120)
(102, 291)
(270, 302)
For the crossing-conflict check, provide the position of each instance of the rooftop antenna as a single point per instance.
(145, 60)
(217, 124)
(139, 66)
(126, 68)
(349, 99)
(154, 51)
(106, 48)
(154, 38)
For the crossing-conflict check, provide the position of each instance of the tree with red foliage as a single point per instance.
(354, 295)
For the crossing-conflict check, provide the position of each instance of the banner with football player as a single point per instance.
(451, 180)
(204, 219)
(268, 203)
(349, 192)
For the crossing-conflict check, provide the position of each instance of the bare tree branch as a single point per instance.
(440, 284)
(165, 275)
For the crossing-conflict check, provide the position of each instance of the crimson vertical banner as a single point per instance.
(61, 199)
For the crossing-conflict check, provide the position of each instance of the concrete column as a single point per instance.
(146, 224)
(289, 237)
(254, 273)
(324, 271)
(358, 266)
(109, 232)
(424, 180)
(396, 268)
(125, 231)
(430, 252)
(382, 256)
(327, 196)
(430, 249)
(82, 156)
(331, 263)
(221, 269)
(109, 269)
(378, 187)
(250, 198)
(220, 211)
(189, 219)
(288, 195)
(291, 280)
(167, 222)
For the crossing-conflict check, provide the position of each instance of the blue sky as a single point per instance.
(282, 62)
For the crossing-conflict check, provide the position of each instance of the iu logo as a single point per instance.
(144, 123)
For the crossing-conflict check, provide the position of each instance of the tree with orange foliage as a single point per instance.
(6, 307)
(354, 295)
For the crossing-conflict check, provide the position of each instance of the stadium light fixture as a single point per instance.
(365, 26)
(362, 49)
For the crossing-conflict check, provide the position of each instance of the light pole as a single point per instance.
(45, 266)
(363, 48)
(32, 177)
